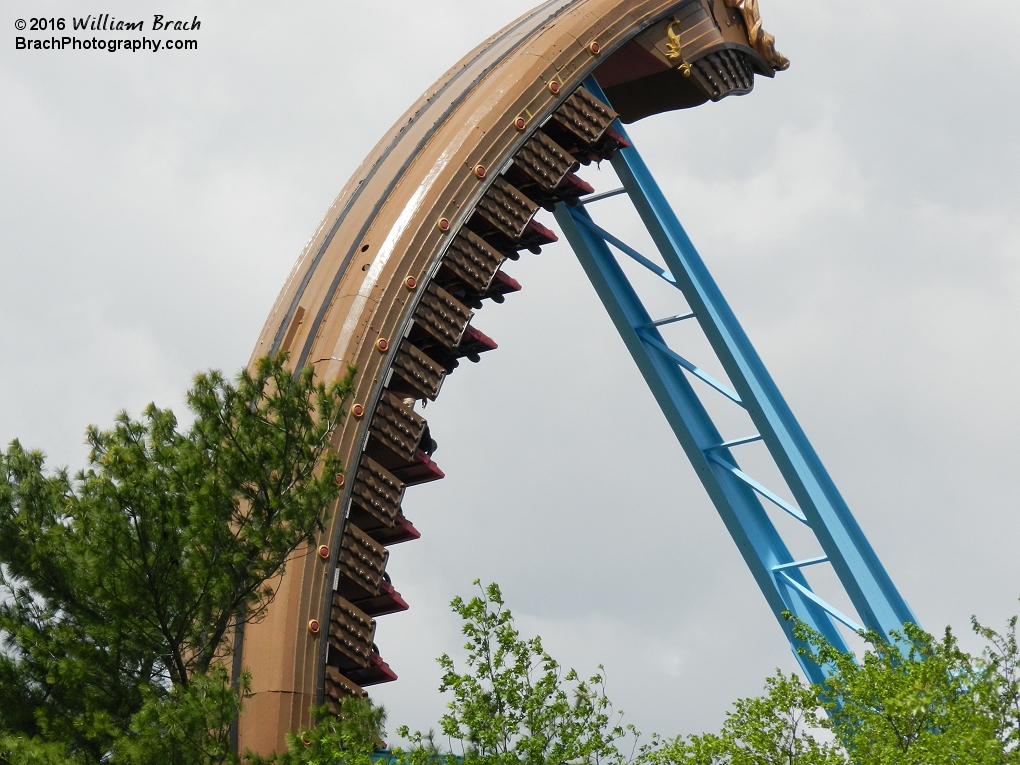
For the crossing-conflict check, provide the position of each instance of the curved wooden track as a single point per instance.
(413, 242)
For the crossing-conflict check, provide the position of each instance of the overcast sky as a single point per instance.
(861, 212)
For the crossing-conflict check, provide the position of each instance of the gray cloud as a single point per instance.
(860, 213)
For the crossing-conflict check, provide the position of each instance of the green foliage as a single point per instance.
(780, 727)
(118, 589)
(22, 750)
(350, 739)
(917, 701)
(188, 726)
(515, 704)
(1002, 658)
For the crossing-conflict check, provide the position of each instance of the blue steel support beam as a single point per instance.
(866, 582)
(757, 538)
(871, 590)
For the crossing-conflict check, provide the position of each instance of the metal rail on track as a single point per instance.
(736, 495)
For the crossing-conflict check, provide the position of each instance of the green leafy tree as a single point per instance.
(187, 726)
(514, 703)
(784, 726)
(22, 750)
(917, 701)
(119, 587)
(352, 738)
(1002, 659)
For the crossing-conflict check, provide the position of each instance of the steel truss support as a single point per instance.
(737, 496)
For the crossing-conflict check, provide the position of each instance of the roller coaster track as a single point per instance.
(415, 243)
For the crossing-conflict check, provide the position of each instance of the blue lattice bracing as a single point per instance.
(737, 496)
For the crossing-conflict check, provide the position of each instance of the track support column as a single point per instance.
(736, 495)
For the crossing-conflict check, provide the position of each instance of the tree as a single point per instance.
(915, 701)
(353, 738)
(515, 705)
(781, 727)
(119, 587)
(1002, 658)
(189, 725)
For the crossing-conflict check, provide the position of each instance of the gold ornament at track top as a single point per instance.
(760, 40)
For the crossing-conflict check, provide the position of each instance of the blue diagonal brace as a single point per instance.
(770, 495)
(834, 612)
(701, 374)
(625, 248)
